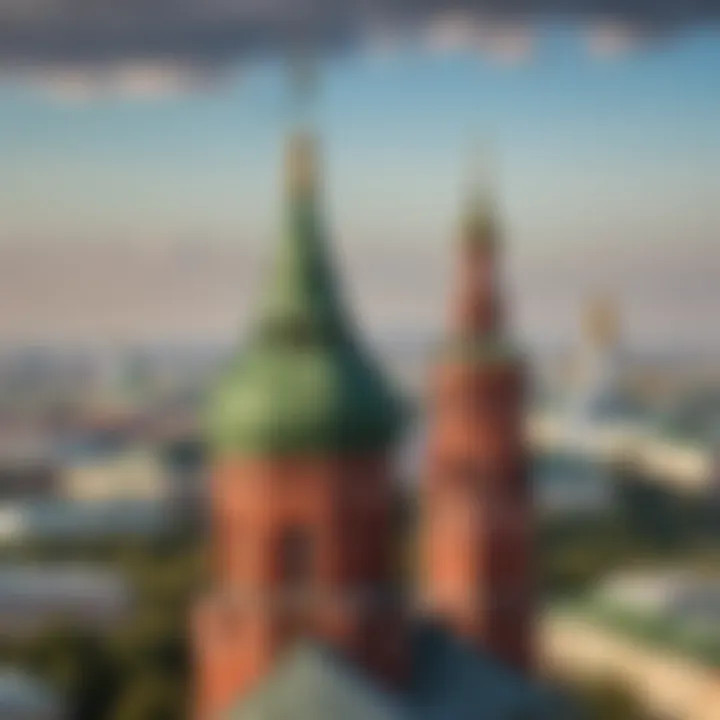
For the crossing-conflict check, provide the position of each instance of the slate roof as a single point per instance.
(25, 695)
(449, 681)
(311, 683)
(453, 681)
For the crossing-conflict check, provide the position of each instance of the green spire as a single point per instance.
(479, 230)
(480, 217)
(303, 301)
(302, 384)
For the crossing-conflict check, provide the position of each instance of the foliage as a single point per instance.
(138, 670)
(608, 698)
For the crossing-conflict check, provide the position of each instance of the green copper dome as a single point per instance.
(302, 383)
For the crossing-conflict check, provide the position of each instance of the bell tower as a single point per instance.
(476, 502)
(301, 429)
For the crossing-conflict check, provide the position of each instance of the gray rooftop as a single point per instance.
(21, 693)
(449, 681)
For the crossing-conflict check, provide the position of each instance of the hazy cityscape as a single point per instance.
(359, 360)
(104, 448)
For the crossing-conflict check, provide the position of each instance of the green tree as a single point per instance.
(77, 664)
(609, 698)
(150, 697)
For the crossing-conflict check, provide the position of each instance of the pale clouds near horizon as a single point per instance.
(73, 295)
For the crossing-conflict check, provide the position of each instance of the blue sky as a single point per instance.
(579, 140)
(588, 152)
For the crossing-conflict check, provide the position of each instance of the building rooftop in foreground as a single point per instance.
(448, 679)
(22, 696)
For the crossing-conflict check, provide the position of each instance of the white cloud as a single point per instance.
(104, 46)
(509, 45)
(451, 32)
(127, 80)
(506, 44)
(610, 40)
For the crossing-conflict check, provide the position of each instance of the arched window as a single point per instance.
(297, 573)
(297, 558)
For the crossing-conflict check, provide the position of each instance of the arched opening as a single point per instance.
(297, 558)
(297, 573)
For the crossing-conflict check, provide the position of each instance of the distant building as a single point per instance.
(593, 414)
(73, 521)
(565, 480)
(32, 596)
(686, 442)
(597, 369)
(568, 482)
(25, 698)
(27, 479)
(134, 474)
(679, 595)
(162, 470)
(659, 628)
(27, 469)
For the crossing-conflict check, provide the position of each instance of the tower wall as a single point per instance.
(477, 306)
(301, 547)
(477, 520)
(476, 503)
(302, 493)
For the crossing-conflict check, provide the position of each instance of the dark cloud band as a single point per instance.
(89, 33)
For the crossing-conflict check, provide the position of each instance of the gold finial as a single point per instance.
(301, 164)
(602, 322)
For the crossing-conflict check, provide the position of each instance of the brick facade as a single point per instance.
(300, 547)
(304, 528)
(476, 563)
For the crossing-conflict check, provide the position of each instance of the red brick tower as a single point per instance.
(302, 491)
(476, 502)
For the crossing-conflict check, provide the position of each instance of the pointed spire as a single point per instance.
(304, 301)
(479, 221)
(477, 305)
(302, 172)
(303, 382)
(601, 321)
